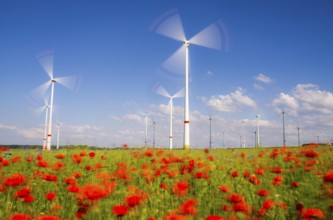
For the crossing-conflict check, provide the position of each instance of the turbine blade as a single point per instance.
(176, 62)
(179, 94)
(214, 36)
(46, 60)
(40, 90)
(170, 26)
(162, 91)
(70, 82)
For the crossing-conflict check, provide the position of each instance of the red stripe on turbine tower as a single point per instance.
(186, 122)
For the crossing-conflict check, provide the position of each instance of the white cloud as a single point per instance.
(305, 99)
(263, 78)
(231, 102)
(257, 87)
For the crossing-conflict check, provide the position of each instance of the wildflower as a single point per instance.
(234, 174)
(24, 192)
(174, 216)
(246, 174)
(188, 207)
(50, 196)
(29, 198)
(134, 200)
(16, 159)
(224, 188)
(263, 192)
(254, 180)
(92, 154)
(277, 170)
(59, 156)
(294, 184)
(260, 171)
(180, 188)
(48, 217)
(120, 210)
(15, 180)
(70, 181)
(163, 186)
(42, 163)
(241, 207)
(311, 154)
(214, 217)
(92, 192)
(202, 175)
(20, 217)
(312, 213)
(236, 198)
(329, 176)
(73, 188)
(268, 204)
(39, 157)
(50, 177)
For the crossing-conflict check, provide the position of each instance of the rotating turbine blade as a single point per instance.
(46, 60)
(70, 82)
(176, 62)
(179, 94)
(40, 90)
(214, 36)
(162, 91)
(170, 26)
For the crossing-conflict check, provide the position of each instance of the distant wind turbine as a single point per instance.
(71, 82)
(162, 91)
(58, 136)
(170, 26)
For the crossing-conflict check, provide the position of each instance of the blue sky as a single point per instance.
(277, 55)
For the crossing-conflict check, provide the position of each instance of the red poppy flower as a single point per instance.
(24, 192)
(73, 189)
(174, 216)
(42, 163)
(15, 180)
(260, 171)
(246, 174)
(92, 154)
(241, 207)
(20, 217)
(48, 217)
(224, 188)
(329, 176)
(214, 217)
(295, 184)
(134, 200)
(120, 210)
(235, 198)
(16, 159)
(268, 204)
(50, 177)
(59, 156)
(263, 192)
(311, 213)
(189, 207)
(234, 174)
(277, 170)
(180, 188)
(50, 196)
(92, 192)
(254, 180)
(28, 198)
(163, 186)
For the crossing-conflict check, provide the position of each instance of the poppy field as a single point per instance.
(267, 183)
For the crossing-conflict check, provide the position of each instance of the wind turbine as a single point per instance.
(162, 91)
(258, 136)
(46, 60)
(58, 136)
(170, 26)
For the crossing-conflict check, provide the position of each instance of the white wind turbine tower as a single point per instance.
(39, 110)
(46, 60)
(58, 136)
(162, 91)
(170, 26)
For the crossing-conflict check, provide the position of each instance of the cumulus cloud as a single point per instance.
(231, 102)
(263, 78)
(306, 99)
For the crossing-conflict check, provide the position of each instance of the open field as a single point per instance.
(272, 183)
